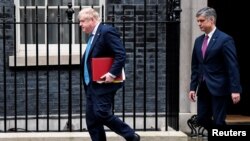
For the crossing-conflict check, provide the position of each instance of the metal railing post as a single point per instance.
(70, 13)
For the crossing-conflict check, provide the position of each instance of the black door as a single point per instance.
(232, 18)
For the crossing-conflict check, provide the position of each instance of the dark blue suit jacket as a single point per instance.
(219, 67)
(106, 43)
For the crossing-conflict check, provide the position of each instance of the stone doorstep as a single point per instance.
(84, 136)
(237, 120)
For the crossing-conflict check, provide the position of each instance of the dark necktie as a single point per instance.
(204, 45)
(86, 72)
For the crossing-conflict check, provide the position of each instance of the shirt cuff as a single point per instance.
(113, 76)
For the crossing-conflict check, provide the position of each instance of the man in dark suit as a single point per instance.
(104, 41)
(215, 71)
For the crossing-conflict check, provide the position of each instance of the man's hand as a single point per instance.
(192, 96)
(235, 97)
(107, 78)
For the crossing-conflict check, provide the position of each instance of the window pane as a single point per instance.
(87, 2)
(53, 28)
(32, 2)
(56, 31)
(30, 29)
(58, 2)
(63, 31)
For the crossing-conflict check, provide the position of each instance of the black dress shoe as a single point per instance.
(136, 137)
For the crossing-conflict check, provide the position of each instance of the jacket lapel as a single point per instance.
(97, 35)
(211, 44)
(200, 47)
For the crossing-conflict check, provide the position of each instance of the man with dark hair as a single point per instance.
(215, 71)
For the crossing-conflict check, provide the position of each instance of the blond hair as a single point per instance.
(88, 13)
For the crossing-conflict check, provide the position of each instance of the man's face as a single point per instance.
(205, 24)
(87, 24)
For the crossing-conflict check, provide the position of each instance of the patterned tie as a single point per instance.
(204, 45)
(86, 72)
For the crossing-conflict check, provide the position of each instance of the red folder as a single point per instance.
(101, 66)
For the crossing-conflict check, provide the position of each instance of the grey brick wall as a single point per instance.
(52, 73)
(143, 86)
(8, 48)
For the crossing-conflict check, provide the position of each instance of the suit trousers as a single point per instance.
(99, 113)
(211, 110)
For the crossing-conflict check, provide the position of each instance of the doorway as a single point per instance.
(231, 18)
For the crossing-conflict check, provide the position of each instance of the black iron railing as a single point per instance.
(50, 97)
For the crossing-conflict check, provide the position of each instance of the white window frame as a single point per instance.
(42, 48)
